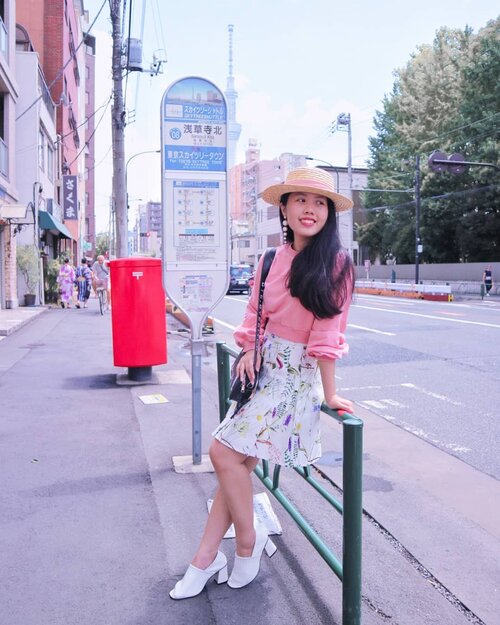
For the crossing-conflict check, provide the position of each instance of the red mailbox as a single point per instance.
(138, 315)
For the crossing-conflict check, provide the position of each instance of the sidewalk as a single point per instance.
(97, 527)
(15, 318)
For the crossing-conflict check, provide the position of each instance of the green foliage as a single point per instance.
(51, 286)
(447, 97)
(102, 244)
(29, 265)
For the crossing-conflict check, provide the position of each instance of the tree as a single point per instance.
(28, 263)
(447, 97)
(102, 244)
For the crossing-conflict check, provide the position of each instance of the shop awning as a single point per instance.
(49, 222)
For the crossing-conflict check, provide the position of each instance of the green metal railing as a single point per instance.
(349, 570)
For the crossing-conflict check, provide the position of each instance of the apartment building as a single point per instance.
(10, 210)
(56, 31)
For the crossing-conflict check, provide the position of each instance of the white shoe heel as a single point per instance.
(195, 580)
(246, 569)
(270, 548)
(222, 576)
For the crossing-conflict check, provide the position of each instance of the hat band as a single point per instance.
(306, 182)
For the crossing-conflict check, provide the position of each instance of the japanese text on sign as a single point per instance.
(70, 197)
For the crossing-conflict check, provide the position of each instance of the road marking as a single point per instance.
(431, 394)
(352, 325)
(391, 302)
(223, 323)
(417, 431)
(409, 385)
(413, 314)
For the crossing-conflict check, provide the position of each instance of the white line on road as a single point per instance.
(223, 323)
(431, 394)
(352, 325)
(413, 314)
(404, 385)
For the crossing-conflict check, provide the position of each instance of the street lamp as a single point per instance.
(126, 168)
(320, 160)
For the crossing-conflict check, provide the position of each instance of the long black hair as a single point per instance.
(321, 275)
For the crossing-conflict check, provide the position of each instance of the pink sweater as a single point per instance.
(287, 318)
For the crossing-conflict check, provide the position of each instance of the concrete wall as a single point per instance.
(463, 277)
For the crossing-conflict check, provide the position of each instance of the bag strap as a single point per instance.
(266, 266)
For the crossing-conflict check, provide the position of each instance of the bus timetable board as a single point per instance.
(194, 197)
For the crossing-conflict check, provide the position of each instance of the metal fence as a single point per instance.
(348, 568)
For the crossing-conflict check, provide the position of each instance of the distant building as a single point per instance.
(255, 225)
(148, 230)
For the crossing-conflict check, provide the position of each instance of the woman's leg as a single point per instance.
(233, 502)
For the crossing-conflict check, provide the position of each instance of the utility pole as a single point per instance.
(418, 247)
(345, 220)
(118, 134)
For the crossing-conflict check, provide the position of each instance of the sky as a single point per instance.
(297, 65)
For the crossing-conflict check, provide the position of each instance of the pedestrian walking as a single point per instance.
(306, 300)
(83, 283)
(66, 282)
(488, 279)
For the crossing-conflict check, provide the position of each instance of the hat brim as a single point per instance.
(273, 194)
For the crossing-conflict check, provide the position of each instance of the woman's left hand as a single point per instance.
(339, 403)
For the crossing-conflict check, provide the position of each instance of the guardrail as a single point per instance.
(349, 570)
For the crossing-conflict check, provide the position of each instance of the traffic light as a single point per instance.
(440, 161)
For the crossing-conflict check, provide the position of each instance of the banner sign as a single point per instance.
(70, 197)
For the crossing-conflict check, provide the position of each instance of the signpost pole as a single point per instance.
(195, 219)
(196, 354)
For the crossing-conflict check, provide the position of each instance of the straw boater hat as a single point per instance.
(307, 180)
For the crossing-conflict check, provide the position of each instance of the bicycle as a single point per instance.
(102, 295)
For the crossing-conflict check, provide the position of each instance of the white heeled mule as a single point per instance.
(246, 569)
(195, 580)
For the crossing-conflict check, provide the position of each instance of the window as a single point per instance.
(50, 162)
(4, 152)
(41, 150)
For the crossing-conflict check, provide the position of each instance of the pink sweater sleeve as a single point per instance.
(327, 338)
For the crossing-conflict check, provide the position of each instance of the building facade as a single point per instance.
(255, 225)
(9, 197)
(47, 108)
(55, 28)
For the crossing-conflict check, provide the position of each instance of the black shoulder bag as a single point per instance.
(241, 392)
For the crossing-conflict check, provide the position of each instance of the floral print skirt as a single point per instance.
(280, 423)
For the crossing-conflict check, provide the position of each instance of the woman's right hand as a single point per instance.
(245, 366)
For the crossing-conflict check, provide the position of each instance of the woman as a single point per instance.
(84, 283)
(306, 299)
(66, 282)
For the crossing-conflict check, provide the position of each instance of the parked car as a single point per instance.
(239, 276)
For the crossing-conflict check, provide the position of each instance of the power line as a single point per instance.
(433, 197)
(93, 133)
(61, 71)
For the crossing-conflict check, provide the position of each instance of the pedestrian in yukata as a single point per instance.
(83, 283)
(66, 282)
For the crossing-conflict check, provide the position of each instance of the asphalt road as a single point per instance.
(431, 368)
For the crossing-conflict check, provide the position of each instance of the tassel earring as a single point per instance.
(285, 230)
